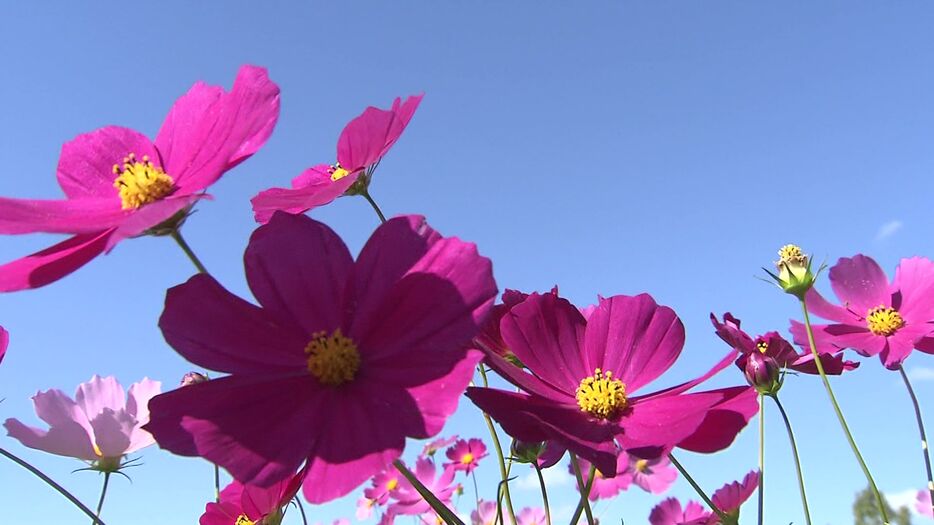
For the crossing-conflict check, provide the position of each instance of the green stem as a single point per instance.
(301, 509)
(700, 492)
(584, 490)
(541, 482)
(924, 439)
(794, 451)
(177, 235)
(366, 195)
(100, 503)
(217, 484)
(836, 408)
(761, 457)
(476, 490)
(50, 482)
(499, 453)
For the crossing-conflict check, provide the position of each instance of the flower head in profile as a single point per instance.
(376, 347)
(119, 184)
(251, 505)
(728, 499)
(584, 376)
(101, 425)
(465, 455)
(794, 271)
(360, 147)
(923, 505)
(875, 317)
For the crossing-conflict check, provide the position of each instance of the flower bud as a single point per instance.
(527, 451)
(193, 378)
(794, 271)
(763, 373)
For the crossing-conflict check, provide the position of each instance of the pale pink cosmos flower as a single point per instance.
(485, 514)
(406, 501)
(100, 425)
(465, 455)
(531, 516)
(924, 504)
(360, 148)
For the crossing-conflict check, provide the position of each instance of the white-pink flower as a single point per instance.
(101, 424)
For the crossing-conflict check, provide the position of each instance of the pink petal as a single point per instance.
(112, 432)
(70, 439)
(215, 329)
(833, 364)
(724, 421)
(100, 393)
(311, 189)
(89, 215)
(731, 333)
(914, 280)
(820, 307)
(634, 338)
(860, 283)
(223, 513)
(732, 495)
(368, 137)
(528, 382)
(900, 344)
(53, 263)
(653, 426)
(926, 345)
(137, 405)
(208, 132)
(297, 269)
(85, 167)
(4, 342)
(152, 215)
(684, 387)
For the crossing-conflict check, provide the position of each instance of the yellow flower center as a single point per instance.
(337, 172)
(762, 346)
(333, 359)
(641, 465)
(884, 321)
(391, 484)
(791, 253)
(140, 183)
(600, 395)
(243, 520)
(467, 459)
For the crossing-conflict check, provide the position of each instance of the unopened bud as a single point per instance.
(527, 451)
(193, 378)
(794, 271)
(763, 373)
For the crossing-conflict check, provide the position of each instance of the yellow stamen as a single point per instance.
(391, 484)
(884, 321)
(600, 395)
(243, 520)
(791, 254)
(97, 450)
(333, 360)
(763, 346)
(641, 465)
(337, 172)
(467, 459)
(140, 183)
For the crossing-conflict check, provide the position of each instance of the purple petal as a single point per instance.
(900, 344)
(526, 381)
(85, 167)
(860, 283)
(53, 263)
(725, 419)
(89, 215)
(731, 334)
(914, 280)
(112, 432)
(311, 189)
(655, 425)
(369, 136)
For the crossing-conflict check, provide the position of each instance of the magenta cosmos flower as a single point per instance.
(774, 346)
(582, 374)
(876, 317)
(728, 499)
(101, 425)
(119, 184)
(670, 512)
(406, 501)
(360, 147)
(251, 505)
(465, 455)
(341, 362)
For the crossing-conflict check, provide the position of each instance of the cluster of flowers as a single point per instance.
(381, 347)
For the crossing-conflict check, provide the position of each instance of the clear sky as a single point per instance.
(608, 147)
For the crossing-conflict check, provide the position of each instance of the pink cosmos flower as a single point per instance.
(251, 505)
(4, 342)
(583, 374)
(119, 184)
(924, 503)
(669, 512)
(101, 425)
(466, 454)
(437, 444)
(406, 501)
(730, 497)
(360, 148)
(773, 345)
(604, 487)
(531, 516)
(876, 317)
(485, 514)
(651, 475)
(341, 362)
(382, 484)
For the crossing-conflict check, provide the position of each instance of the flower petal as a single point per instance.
(297, 269)
(214, 328)
(112, 432)
(89, 215)
(85, 167)
(820, 307)
(4, 342)
(71, 439)
(137, 405)
(369, 136)
(914, 280)
(731, 334)
(98, 394)
(654, 425)
(311, 189)
(723, 422)
(860, 283)
(53, 263)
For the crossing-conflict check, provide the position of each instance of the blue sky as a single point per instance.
(620, 147)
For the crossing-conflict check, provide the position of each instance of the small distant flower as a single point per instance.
(101, 425)
(531, 516)
(602, 486)
(365, 507)
(381, 485)
(730, 497)
(193, 378)
(118, 184)
(794, 271)
(924, 503)
(485, 514)
(876, 317)
(465, 455)
(376, 347)
(406, 501)
(4, 342)
(361, 146)
(437, 444)
(669, 512)
(251, 505)
(651, 475)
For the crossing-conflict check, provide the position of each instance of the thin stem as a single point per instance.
(100, 503)
(924, 439)
(366, 195)
(761, 457)
(541, 482)
(794, 451)
(50, 482)
(217, 483)
(177, 235)
(499, 453)
(476, 491)
(301, 509)
(584, 490)
(836, 408)
(700, 492)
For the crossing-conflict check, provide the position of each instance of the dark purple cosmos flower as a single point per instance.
(251, 505)
(360, 148)
(876, 317)
(341, 361)
(582, 374)
(119, 184)
(774, 346)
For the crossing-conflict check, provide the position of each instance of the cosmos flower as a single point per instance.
(465, 455)
(406, 501)
(924, 503)
(485, 514)
(583, 374)
(728, 499)
(119, 184)
(876, 317)
(101, 425)
(531, 516)
(669, 512)
(654, 476)
(602, 486)
(251, 505)
(375, 348)
(360, 147)
(437, 444)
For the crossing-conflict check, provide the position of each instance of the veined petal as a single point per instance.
(85, 167)
(914, 280)
(311, 189)
(112, 432)
(86, 215)
(53, 263)
(98, 394)
(70, 439)
(652, 426)
(819, 306)
(861, 283)
(137, 405)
